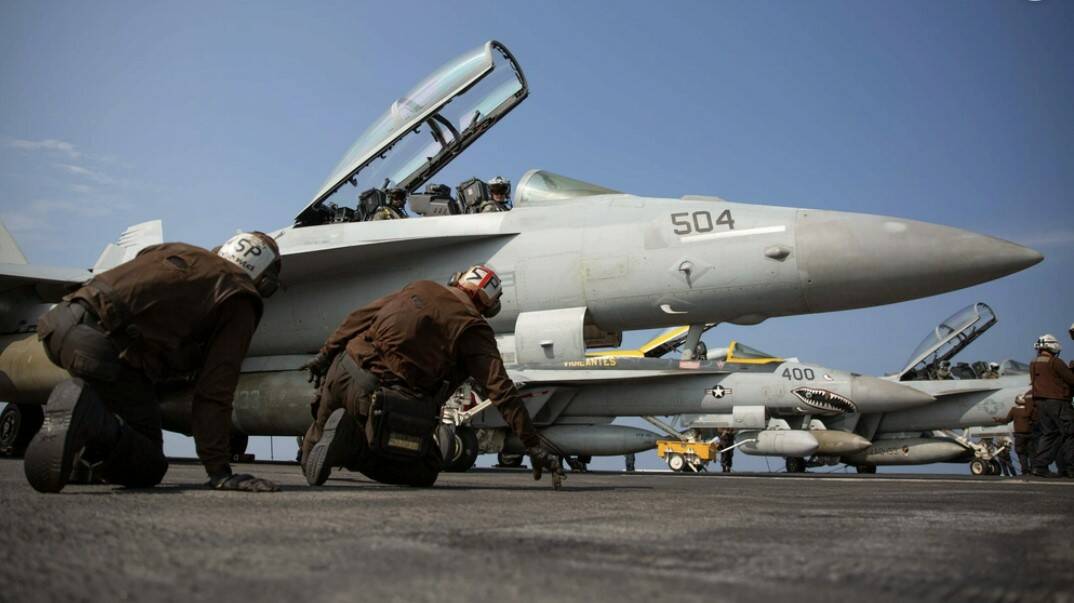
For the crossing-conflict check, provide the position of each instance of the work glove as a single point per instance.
(318, 368)
(542, 461)
(242, 482)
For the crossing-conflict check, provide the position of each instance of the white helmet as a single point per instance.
(993, 366)
(258, 256)
(482, 285)
(1048, 343)
(500, 186)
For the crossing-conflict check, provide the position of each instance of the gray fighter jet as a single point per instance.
(580, 263)
(922, 434)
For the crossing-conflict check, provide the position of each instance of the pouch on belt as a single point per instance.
(73, 341)
(401, 423)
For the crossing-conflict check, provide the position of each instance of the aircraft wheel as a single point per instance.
(676, 462)
(978, 467)
(463, 452)
(994, 468)
(865, 468)
(238, 444)
(18, 425)
(796, 464)
(509, 460)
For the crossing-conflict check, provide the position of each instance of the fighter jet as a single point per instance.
(580, 263)
(921, 434)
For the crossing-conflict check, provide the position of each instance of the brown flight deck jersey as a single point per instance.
(428, 334)
(178, 311)
(1051, 378)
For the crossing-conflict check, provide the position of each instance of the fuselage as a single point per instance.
(632, 262)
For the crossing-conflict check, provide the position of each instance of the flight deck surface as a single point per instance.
(499, 536)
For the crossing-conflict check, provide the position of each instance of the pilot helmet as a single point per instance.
(500, 186)
(1071, 330)
(482, 285)
(397, 196)
(945, 364)
(993, 366)
(1048, 343)
(259, 257)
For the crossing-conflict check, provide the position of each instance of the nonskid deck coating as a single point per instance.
(500, 536)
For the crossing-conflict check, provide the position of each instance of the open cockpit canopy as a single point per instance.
(948, 339)
(425, 129)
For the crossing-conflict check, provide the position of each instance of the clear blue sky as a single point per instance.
(217, 116)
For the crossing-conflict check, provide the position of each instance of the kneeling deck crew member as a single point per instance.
(175, 312)
(390, 366)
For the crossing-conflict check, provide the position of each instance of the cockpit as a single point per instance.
(382, 174)
(931, 359)
(420, 134)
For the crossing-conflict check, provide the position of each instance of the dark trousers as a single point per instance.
(1056, 443)
(74, 341)
(726, 460)
(1024, 445)
(341, 389)
(1006, 466)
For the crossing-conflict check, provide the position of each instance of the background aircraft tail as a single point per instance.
(133, 240)
(9, 249)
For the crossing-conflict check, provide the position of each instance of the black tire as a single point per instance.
(978, 467)
(18, 425)
(994, 468)
(239, 442)
(463, 452)
(509, 460)
(796, 464)
(865, 468)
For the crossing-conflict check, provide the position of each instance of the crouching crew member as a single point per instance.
(390, 366)
(174, 313)
(1052, 380)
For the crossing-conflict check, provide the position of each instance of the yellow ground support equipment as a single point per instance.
(686, 456)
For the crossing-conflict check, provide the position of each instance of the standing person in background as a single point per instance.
(727, 457)
(1023, 415)
(1052, 381)
(1003, 455)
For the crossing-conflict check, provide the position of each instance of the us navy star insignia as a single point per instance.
(720, 391)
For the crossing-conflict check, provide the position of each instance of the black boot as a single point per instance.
(333, 449)
(74, 417)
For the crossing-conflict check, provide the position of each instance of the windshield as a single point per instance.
(740, 351)
(1013, 367)
(538, 186)
(422, 131)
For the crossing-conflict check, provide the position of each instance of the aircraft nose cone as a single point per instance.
(871, 394)
(849, 260)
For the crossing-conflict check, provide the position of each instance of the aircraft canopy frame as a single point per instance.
(949, 338)
(429, 126)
